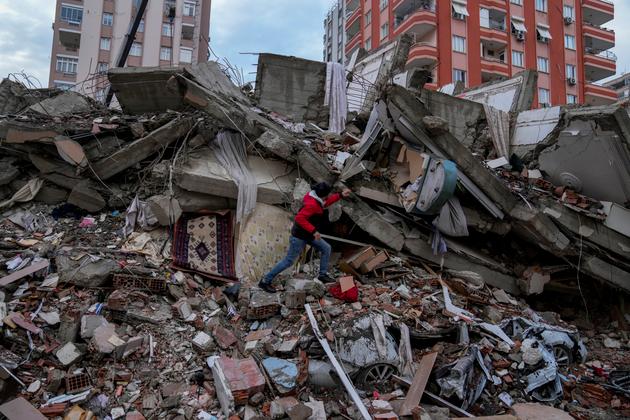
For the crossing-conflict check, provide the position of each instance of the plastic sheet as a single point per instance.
(232, 155)
(336, 97)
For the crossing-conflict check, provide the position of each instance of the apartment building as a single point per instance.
(621, 85)
(334, 33)
(89, 36)
(476, 41)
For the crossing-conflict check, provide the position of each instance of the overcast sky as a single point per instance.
(291, 27)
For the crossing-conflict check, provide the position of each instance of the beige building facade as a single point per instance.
(90, 34)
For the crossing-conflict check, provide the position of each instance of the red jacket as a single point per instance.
(309, 218)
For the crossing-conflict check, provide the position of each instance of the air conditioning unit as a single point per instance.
(545, 105)
(571, 81)
(543, 39)
(458, 16)
(520, 36)
(568, 20)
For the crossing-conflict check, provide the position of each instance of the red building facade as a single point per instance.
(476, 41)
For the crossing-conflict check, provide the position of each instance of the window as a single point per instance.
(385, 30)
(459, 75)
(136, 49)
(141, 26)
(571, 74)
(459, 44)
(543, 64)
(383, 4)
(484, 17)
(189, 8)
(185, 55)
(543, 97)
(569, 12)
(459, 10)
(368, 44)
(571, 99)
(519, 2)
(368, 17)
(108, 19)
(165, 54)
(569, 42)
(106, 43)
(72, 14)
(518, 58)
(167, 29)
(100, 95)
(102, 67)
(67, 65)
(188, 31)
(543, 34)
(541, 5)
(63, 85)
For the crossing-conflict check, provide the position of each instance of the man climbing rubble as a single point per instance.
(305, 231)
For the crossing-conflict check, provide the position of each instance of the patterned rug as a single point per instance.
(205, 244)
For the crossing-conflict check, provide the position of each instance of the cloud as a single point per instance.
(286, 27)
(622, 35)
(26, 38)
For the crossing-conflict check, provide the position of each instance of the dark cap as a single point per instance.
(322, 189)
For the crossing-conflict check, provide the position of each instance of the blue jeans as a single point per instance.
(296, 246)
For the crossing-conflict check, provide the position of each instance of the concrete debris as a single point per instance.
(129, 275)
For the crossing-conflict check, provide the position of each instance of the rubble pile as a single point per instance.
(133, 242)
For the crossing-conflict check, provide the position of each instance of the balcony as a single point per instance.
(352, 17)
(598, 38)
(422, 55)
(414, 17)
(598, 12)
(353, 28)
(599, 95)
(70, 39)
(493, 28)
(353, 43)
(500, 4)
(599, 65)
(493, 68)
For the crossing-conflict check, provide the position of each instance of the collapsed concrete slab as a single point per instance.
(511, 95)
(408, 112)
(68, 103)
(203, 173)
(292, 87)
(142, 148)
(464, 259)
(591, 159)
(292, 150)
(373, 223)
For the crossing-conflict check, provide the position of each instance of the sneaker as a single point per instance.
(267, 287)
(325, 278)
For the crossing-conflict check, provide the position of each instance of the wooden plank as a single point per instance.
(360, 257)
(370, 265)
(420, 380)
(31, 269)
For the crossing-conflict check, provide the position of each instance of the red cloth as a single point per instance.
(312, 208)
(350, 295)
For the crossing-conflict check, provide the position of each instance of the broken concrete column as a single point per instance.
(166, 209)
(373, 223)
(85, 272)
(68, 354)
(86, 198)
(89, 323)
(142, 148)
(293, 150)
